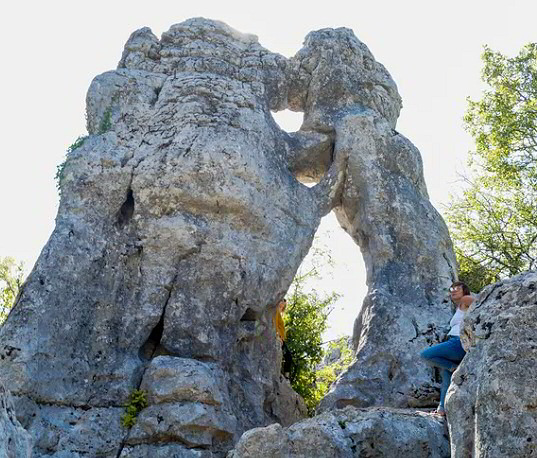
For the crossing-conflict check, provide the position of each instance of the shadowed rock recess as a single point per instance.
(182, 221)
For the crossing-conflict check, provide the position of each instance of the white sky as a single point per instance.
(52, 50)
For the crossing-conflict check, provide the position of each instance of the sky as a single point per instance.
(52, 50)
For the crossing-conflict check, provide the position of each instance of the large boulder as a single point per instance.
(492, 401)
(180, 226)
(348, 433)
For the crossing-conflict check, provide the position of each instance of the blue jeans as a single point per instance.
(446, 356)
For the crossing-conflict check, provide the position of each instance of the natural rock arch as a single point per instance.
(181, 226)
(383, 204)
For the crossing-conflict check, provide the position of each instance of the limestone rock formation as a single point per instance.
(181, 224)
(385, 208)
(350, 432)
(15, 442)
(492, 401)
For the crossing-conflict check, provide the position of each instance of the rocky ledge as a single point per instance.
(350, 433)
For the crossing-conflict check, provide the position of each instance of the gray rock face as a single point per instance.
(182, 223)
(180, 227)
(350, 432)
(492, 401)
(163, 451)
(385, 208)
(15, 441)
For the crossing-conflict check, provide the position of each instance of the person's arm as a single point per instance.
(465, 302)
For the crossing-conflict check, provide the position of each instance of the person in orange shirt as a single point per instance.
(280, 329)
(278, 320)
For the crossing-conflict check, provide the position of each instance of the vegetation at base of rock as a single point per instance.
(494, 223)
(11, 279)
(137, 402)
(305, 322)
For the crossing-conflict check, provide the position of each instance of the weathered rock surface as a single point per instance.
(385, 208)
(182, 223)
(15, 441)
(179, 229)
(492, 401)
(350, 432)
(163, 451)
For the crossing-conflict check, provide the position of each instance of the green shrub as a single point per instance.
(305, 321)
(60, 167)
(11, 279)
(106, 123)
(137, 402)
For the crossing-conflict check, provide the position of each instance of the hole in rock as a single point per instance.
(126, 211)
(149, 349)
(250, 315)
(288, 120)
(313, 154)
(341, 269)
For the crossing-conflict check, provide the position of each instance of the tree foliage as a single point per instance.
(494, 223)
(305, 322)
(11, 278)
(328, 373)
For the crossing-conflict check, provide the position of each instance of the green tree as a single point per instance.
(305, 322)
(328, 373)
(494, 223)
(11, 278)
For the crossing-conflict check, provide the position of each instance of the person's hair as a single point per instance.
(465, 289)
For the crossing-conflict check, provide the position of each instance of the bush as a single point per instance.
(137, 402)
(327, 374)
(60, 167)
(305, 322)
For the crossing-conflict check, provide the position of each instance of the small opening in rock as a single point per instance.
(288, 120)
(391, 373)
(149, 348)
(250, 315)
(126, 211)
